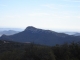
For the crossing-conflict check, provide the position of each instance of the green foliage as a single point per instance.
(22, 51)
(10, 56)
(39, 53)
(67, 51)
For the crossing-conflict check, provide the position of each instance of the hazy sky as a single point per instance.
(52, 14)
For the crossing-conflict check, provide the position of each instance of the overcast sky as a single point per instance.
(49, 14)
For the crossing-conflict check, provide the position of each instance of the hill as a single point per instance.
(40, 36)
(8, 32)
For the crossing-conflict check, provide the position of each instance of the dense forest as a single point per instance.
(29, 51)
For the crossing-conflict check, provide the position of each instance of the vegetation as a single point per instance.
(24, 51)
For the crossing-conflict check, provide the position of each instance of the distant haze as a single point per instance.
(53, 29)
(7, 29)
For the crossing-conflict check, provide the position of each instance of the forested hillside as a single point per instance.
(29, 51)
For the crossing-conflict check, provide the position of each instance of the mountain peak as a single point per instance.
(30, 28)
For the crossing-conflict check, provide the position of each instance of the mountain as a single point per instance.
(77, 34)
(9, 32)
(40, 36)
(70, 33)
(15, 29)
(73, 33)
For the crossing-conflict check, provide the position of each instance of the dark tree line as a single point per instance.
(22, 51)
(67, 51)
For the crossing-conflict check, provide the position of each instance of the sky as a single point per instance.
(47, 14)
